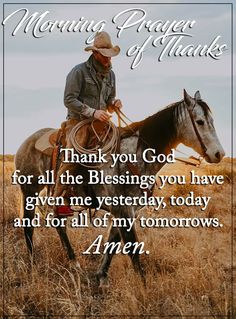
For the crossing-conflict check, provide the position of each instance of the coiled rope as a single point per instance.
(107, 143)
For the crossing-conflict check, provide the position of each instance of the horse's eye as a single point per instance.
(200, 122)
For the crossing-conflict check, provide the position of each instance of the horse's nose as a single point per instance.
(217, 155)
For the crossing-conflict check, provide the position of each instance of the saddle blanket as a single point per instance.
(47, 142)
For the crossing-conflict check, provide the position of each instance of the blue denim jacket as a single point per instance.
(84, 93)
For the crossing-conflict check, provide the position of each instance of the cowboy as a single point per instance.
(89, 92)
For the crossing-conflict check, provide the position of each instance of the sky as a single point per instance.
(35, 68)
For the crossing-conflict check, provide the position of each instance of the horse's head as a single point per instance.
(197, 130)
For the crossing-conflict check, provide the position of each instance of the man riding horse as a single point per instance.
(89, 93)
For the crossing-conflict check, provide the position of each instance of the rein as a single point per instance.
(203, 146)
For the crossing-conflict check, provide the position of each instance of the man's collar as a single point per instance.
(89, 63)
(96, 67)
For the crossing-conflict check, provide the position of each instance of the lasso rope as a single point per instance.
(106, 144)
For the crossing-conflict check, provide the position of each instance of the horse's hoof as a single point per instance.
(102, 281)
(103, 285)
(74, 264)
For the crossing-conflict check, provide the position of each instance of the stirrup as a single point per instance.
(63, 211)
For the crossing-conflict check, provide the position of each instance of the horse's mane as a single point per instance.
(160, 129)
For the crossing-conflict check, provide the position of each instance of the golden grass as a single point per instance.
(188, 271)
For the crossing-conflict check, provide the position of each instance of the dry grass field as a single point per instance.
(188, 270)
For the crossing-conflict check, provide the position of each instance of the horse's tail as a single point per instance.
(22, 197)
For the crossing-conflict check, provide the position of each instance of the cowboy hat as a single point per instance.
(102, 44)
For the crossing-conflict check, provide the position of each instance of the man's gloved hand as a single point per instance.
(101, 115)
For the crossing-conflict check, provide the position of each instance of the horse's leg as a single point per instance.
(66, 242)
(62, 232)
(29, 231)
(131, 237)
(114, 236)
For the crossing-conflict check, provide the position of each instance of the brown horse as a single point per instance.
(188, 121)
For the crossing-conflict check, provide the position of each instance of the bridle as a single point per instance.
(203, 146)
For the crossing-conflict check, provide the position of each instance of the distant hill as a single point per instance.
(7, 157)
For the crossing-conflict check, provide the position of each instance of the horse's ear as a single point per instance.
(187, 98)
(197, 96)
